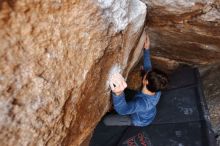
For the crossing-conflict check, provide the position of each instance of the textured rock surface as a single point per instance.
(211, 82)
(55, 62)
(185, 31)
(56, 57)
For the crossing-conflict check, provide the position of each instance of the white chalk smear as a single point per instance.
(114, 69)
(121, 13)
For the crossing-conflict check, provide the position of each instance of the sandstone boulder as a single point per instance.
(211, 82)
(56, 57)
(185, 31)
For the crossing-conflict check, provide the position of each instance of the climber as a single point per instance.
(141, 110)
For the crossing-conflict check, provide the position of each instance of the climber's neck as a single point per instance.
(146, 91)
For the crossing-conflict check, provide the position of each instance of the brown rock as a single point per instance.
(185, 31)
(55, 61)
(211, 82)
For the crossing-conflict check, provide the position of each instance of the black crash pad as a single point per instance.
(182, 118)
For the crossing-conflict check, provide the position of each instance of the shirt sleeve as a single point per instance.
(124, 108)
(147, 61)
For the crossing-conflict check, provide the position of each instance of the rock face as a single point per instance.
(185, 31)
(56, 58)
(55, 61)
(211, 82)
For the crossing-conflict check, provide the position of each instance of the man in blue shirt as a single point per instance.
(141, 110)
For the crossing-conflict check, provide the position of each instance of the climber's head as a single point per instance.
(155, 80)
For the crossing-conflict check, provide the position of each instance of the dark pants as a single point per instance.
(113, 119)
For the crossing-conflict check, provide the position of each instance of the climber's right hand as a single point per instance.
(117, 84)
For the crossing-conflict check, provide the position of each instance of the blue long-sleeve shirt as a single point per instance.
(142, 108)
(147, 62)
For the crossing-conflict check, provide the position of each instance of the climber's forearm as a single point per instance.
(147, 61)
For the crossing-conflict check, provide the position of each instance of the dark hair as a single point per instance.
(157, 80)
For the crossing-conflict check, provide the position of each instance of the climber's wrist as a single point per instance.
(117, 93)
